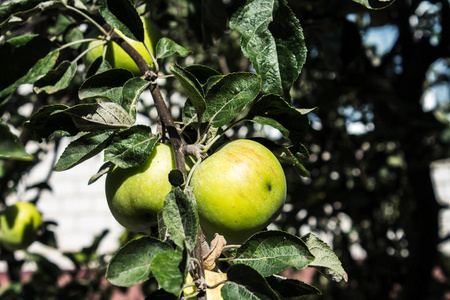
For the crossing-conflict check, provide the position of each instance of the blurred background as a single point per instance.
(379, 190)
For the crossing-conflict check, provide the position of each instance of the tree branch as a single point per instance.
(167, 124)
(163, 111)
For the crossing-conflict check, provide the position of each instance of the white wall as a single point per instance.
(80, 210)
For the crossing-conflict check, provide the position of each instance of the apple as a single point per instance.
(240, 189)
(19, 224)
(212, 278)
(118, 58)
(136, 195)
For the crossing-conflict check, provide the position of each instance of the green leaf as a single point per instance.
(162, 228)
(274, 111)
(270, 252)
(288, 155)
(228, 97)
(16, 13)
(291, 288)
(99, 65)
(273, 40)
(108, 84)
(130, 265)
(10, 146)
(121, 14)
(131, 92)
(8, 10)
(285, 156)
(83, 148)
(375, 4)
(73, 34)
(245, 283)
(25, 59)
(61, 25)
(192, 88)
(58, 79)
(47, 120)
(169, 269)
(131, 147)
(202, 73)
(211, 82)
(326, 260)
(104, 169)
(181, 219)
(167, 47)
(98, 116)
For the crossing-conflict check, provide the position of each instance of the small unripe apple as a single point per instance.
(136, 195)
(19, 224)
(118, 58)
(240, 189)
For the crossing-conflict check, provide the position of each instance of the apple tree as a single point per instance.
(89, 62)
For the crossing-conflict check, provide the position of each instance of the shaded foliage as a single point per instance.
(372, 190)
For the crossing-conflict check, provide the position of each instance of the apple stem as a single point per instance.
(87, 50)
(198, 254)
(216, 285)
(155, 63)
(168, 123)
(87, 17)
(197, 163)
(77, 42)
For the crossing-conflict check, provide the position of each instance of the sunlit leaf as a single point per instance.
(326, 260)
(181, 219)
(131, 92)
(131, 147)
(130, 265)
(98, 116)
(169, 269)
(228, 97)
(82, 149)
(167, 47)
(273, 40)
(270, 252)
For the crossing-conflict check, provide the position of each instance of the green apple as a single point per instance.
(136, 195)
(240, 189)
(19, 224)
(212, 278)
(118, 58)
